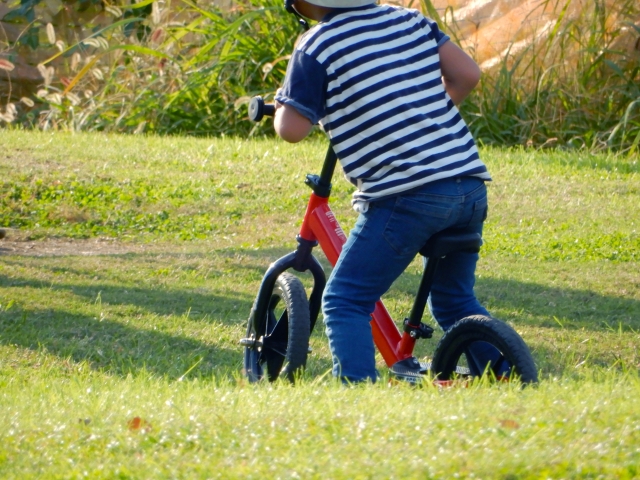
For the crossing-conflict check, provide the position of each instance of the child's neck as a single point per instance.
(309, 10)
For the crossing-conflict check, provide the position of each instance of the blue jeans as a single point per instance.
(381, 245)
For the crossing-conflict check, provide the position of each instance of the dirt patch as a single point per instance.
(63, 247)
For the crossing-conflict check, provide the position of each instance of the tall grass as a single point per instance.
(576, 85)
(190, 72)
(573, 85)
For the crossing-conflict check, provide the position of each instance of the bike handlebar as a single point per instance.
(321, 185)
(258, 109)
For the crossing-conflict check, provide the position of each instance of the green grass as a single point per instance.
(146, 254)
(78, 427)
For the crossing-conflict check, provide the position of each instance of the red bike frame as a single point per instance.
(320, 225)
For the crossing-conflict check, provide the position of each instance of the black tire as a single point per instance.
(452, 353)
(281, 348)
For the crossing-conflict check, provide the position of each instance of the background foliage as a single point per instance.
(189, 68)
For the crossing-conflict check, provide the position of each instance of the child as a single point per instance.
(383, 82)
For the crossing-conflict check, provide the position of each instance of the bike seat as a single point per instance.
(448, 241)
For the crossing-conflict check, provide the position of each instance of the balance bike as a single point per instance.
(282, 317)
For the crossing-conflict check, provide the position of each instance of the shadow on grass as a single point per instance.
(201, 303)
(119, 328)
(543, 306)
(115, 347)
(527, 302)
(122, 344)
(555, 313)
(93, 314)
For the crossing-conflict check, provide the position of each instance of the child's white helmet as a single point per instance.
(341, 3)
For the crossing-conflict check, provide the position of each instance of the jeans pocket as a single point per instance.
(412, 222)
(480, 212)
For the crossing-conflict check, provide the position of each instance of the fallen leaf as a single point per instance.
(137, 423)
(509, 424)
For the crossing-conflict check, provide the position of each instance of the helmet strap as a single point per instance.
(288, 6)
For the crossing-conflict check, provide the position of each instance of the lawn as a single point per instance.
(131, 264)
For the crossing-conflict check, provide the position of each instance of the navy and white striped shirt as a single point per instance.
(371, 77)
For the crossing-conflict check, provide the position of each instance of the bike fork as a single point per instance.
(301, 260)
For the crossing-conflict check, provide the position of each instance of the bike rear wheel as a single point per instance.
(457, 351)
(278, 345)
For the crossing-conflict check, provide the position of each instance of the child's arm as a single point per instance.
(460, 73)
(290, 125)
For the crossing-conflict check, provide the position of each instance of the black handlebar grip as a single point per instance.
(258, 109)
(270, 109)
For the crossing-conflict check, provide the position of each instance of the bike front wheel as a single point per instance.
(503, 352)
(278, 345)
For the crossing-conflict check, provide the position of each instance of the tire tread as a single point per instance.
(486, 329)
